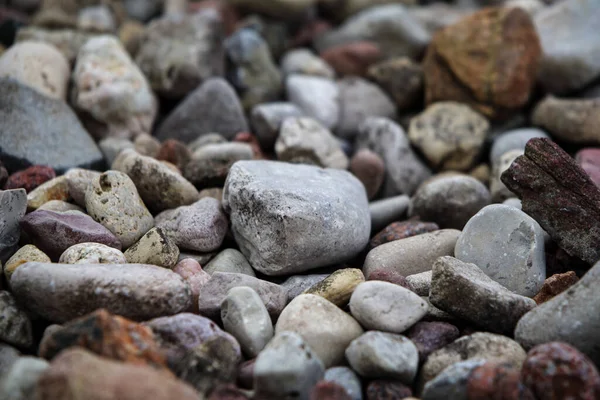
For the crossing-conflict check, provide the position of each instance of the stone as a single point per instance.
(420, 283)
(487, 60)
(449, 134)
(570, 59)
(513, 140)
(221, 112)
(154, 248)
(431, 336)
(284, 9)
(489, 305)
(112, 146)
(325, 328)
(384, 355)
(325, 390)
(19, 382)
(359, 100)
(25, 254)
(297, 284)
(508, 245)
(227, 391)
(30, 178)
(381, 389)
(285, 202)
(55, 232)
(369, 168)
(401, 78)
(91, 253)
(97, 19)
(316, 97)
(452, 382)
(287, 368)
(571, 120)
(588, 160)
(210, 164)
(303, 61)
(229, 260)
(449, 201)
(203, 140)
(110, 88)
(498, 189)
(201, 226)
(557, 370)
(401, 230)
(214, 292)
(352, 59)
(383, 212)
(496, 379)
(15, 325)
(384, 306)
(38, 65)
(8, 355)
(412, 255)
(67, 41)
(555, 285)
(13, 205)
(306, 141)
(404, 170)
(347, 379)
(175, 152)
(60, 206)
(191, 271)
(77, 374)
(563, 204)
(61, 292)
(339, 286)
(54, 189)
(266, 120)
(245, 317)
(145, 145)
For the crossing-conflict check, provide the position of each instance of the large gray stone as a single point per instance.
(290, 218)
(13, 204)
(20, 381)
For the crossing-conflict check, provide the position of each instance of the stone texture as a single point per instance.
(430, 336)
(91, 253)
(513, 140)
(60, 206)
(154, 248)
(401, 78)
(67, 41)
(78, 181)
(145, 145)
(353, 59)
(451, 383)
(385, 211)
(325, 390)
(339, 286)
(571, 120)
(317, 97)
(494, 379)
(13, 204)
(266, 120)
(297, 284)
(229, 260)
(15, 325)
(303, 61)
(589, 160)
(555, 285)
(30, 178)
(211, 163)
(420, 283)
(25, 254)
(385, 389)
(175, 152)
(346, 378)
(191, 271)
(401, 230)
(369, 168)
(54, 189)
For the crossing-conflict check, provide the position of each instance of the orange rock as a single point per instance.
(352, 58)
(555, 285)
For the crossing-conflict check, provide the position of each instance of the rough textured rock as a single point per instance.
(420, 283)
(401, 230)
(317, 97)
(211, 163)
(154, 248)
(30, 178)
(91, 253)
(571, 120)
(54, 189)
(13, 204)
(25, 254)
(401, 78)
(430, 336)
(555, 285)
(15, 325)
(497, 379)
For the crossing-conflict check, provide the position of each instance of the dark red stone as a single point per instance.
(30, 178)
(175, 152)
(559, 195)
(227, 392)
(557, 371)
(326, 390)
(387, 390)
(430, 336)
(555, 285)
(389, 276)
(496, 381)
(352, 58)
(402, 230)
(245, 377)
(589, 160)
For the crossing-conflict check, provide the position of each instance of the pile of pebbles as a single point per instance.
(299, 199)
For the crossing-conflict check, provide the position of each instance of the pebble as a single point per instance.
(112, 146)
(203, 140)
(401, 230)
(346, 378)
(430, 336)
(215, 291)
(404, 170)
(8, 355)
(175, 152)
(381, 389)
(571, 120)
(508, 245)
(339, 286)
(588, 160)
(201, 226)
(420, 283)
(326, 328)
(384, 355)
(513, 140)
(13, 205)
(412, 255)
(60, 206)
(449, 200)
(229, 260)
(245, 316)
(61, 292)
(452, 382)
(211, 163)
(493, 378)
(385, 211)
(91, 253)
(109, 87)
(303, 61)
(191, 272)
(146, 145)
(306, 141)
(211, 107)
(96, 19)
(30, 178)
(325, 390)
(498, 189)
(38, 65)
(369, 168)
(297, 284)
(15, 325)
(274, 204)
(401, 78)
(67, 41)
(287, 368)
(387, 307)
(266, 120)
(489, 304)
(154, 248)
(316, 96)
(54, 189)
(352, 59)
(25, 254)
(555, 285)
(20, 381)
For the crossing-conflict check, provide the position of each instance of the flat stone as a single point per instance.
(20, 381)
(430, 336)
(452, 382)
(266, 120)
(388, 210)
(229, 260)
(15, 325)
(25, 254)
(420, 283)
(513, 140)
(571, 120)
(401, 230)
(272, 204)
(211, 163)
(155, 248)
(347, 379)
(339, 286)
(297, 284)
(91, 253)
(317, 97)
(555, 285)
(54, 189)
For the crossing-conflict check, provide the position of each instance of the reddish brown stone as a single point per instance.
(245, 377)
(387, 390)
(311, 30)
(402, 230)
(326, 390)
(557, 371)
(228, 12)
(589, 160)
(555, 285)
(175, 152)
(30, 178)
(430, 336)
(352, 58)
(245, 137)
(107, 335)
(488, 60)
(559, 195)
(369, 168)
(389, 276)
(227, 392)
(496, 381)
(402, 79)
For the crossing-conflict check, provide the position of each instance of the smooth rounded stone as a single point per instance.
(383, 212)
(412, 255)
(200, 258)
(339, 286)
(60, 206)
(96, 19)
(404, 171)
(113, 200)
(201, 226)
(392, 27)
(210, 164)
(384, 355)
(216, 288)
(245, 317)
(513, 202)
(571, 120)
(352, 59)
(13, 205)
(513, 140)
(273, 204)
(146, 145)
(452, 382)
(430, 336)
(203, 140)
(485, 346)
(287, 368)
(489, 305)
(38, 65)
(369, 168)
(91, 253)
(15, 325)
(25, 254)
(212, 107)
(191, 271)
(387, 307)
(450, 135)
(420, 283)
(304, 61)
(266, 120)
(498, 189)
(346, 378)
(8, 355)
(359, 100)
(61, 292)
(508, 245)
(316, 96)
(54, 189)
(297, 284)
(67, 41)
(112, 146)
(159, 187)
(20, 381)
(401, 78)
(155, 248)
(326, 328)
(401, 230)
(229, 260)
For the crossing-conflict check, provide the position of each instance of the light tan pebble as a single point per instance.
(92, 253)
(25, 254)
(54, 189)
(155, 248)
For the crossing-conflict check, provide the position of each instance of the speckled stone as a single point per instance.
(92, 253)
(25, 254)
(155, 248)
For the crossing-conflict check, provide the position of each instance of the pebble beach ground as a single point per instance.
(299, 200)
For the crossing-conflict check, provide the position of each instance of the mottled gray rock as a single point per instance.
(404, 171)
(78, 181)
(287, 368)
(8, 355)
(508, 245)
(62, 292)
(384, 355)
(272, 205)
(304, 61)
(420, 283)
(210, 164)
(20, 381)
(568, 119)
(15, 326)
(297, 284)
(13, 204)
(347, 379)
(266, 120)
(92, 253)
(317, 97)
(498, 189)
(155, 248)
(25, 254)
(384, 212)
(451, 383)
(513, 140)
(229, 260)
(146, 145)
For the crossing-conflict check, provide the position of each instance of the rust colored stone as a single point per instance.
(352, 58)
(555, 285)
(559, 195)
(496, 381)
(325, 390)
(228, 12)
(107, 335)
(557, 371)
(488, 60)
(30, 178)
(175, 152)
(245, 137)
(402, 230)
(589, 160)
(402, 79)
(430, 336)
(387, 390)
